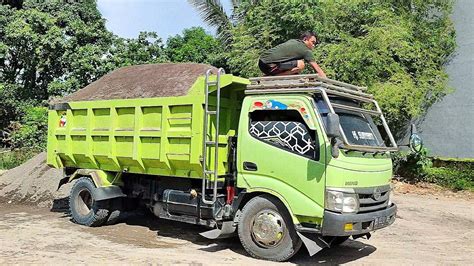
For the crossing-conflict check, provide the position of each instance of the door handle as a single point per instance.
(249, 166)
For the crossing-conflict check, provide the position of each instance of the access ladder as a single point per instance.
(207, 173)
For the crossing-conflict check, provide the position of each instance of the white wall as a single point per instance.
(448, 128)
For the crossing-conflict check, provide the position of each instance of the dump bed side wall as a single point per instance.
(157, 136)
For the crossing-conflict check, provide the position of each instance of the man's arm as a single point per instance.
(318, 69)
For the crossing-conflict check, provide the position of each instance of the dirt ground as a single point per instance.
(430, 229)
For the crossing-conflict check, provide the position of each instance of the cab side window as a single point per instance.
(286, 130)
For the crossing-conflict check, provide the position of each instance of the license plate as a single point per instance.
(381, 221)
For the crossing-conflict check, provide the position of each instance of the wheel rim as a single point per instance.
(267, 228)
(84, 202)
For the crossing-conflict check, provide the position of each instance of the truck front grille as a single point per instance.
(373, 199)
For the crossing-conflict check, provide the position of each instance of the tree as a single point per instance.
(26, 132)
(398, 49)
(53, 48)
(38, 46)
(146, 49)
(195, 45)
(213, 13)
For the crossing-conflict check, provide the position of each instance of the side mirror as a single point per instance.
(416, 142)
(332, 129)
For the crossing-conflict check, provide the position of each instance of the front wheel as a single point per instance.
(266, 230)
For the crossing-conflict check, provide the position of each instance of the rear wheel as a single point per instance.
(83, 207)
(266, 230)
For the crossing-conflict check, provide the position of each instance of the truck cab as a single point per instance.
(312, 143)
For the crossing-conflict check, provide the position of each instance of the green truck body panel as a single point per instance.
(164, 136)
(155, 136)
(357, 170)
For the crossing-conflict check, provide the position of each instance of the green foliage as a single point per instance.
(14, 158)
(53, 48)
(213, 13)
(146, 49)
(398, 52)
(412, 165)
(40, 44)
(264, 24)
(453, 174)
(195, 45)
(396, 48)
(31, 130)
(454, 178)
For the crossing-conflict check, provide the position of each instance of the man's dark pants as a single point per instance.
(271, 69)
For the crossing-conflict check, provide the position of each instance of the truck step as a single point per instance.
(189, 220)
(227, 230)
(209, 172)
(211, 112)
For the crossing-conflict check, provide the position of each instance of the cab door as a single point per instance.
(281, 151)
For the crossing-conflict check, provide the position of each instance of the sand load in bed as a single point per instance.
(143, 81)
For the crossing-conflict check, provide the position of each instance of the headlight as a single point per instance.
(341, 201)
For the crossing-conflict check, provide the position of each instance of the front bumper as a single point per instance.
(362, 223)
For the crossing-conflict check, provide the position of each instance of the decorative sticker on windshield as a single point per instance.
(284, 105)
(269, 105)
(363, 135)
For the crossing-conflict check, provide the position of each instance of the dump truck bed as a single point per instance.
(160, 133)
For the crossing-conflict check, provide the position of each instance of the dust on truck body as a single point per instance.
(281, 161)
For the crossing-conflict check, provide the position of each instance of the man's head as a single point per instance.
(309, 39)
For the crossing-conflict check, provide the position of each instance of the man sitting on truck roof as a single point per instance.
(288, 58)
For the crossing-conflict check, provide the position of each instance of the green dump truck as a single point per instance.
(281, 161)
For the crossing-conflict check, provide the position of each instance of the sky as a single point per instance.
(126, 18)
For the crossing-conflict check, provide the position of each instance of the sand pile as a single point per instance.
(33, 183)
(142, 81)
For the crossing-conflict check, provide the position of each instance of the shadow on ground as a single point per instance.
(60, 205)
(349, 251)
(181, 231)
(134, 228)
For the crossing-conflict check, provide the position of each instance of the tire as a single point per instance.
(82, 206)
(259, 213)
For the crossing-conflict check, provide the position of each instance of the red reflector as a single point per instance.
(230, 194)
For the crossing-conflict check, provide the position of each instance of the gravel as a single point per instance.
(142, 81)
(33, 182)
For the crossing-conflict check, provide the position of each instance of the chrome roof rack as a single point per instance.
(312, 84)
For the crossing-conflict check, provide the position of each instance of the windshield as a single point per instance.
(358, 128)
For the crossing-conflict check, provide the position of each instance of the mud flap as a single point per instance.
(110, 192)
(313, 246)
(227, 230)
